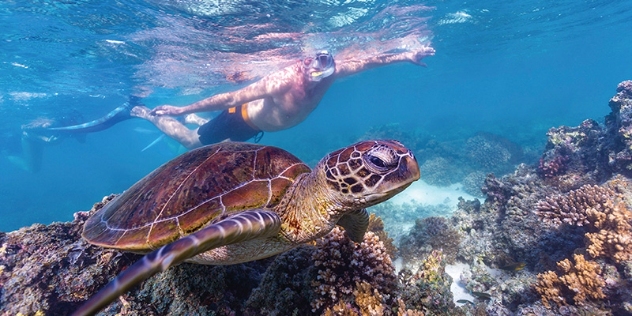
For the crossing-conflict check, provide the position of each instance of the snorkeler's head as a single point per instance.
(319, 67)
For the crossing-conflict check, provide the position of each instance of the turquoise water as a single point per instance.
(510, 69)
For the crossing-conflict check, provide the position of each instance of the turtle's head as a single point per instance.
(369, 172)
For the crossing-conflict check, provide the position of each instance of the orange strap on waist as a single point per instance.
(246, 118)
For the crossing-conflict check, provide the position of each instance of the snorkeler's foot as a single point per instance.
(140, 111)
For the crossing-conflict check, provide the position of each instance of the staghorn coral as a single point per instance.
(368, 299)
(581, 280)
(341, 266)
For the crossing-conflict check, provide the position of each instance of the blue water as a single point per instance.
(513, 69)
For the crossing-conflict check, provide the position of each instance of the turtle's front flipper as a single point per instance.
(119, 114)
(238, 228)
(355, 224)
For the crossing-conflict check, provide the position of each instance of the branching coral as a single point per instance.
(582, 280)
(346, 270)
(376, 226)
(614, 236)
(549, 167)
(573, 207)
(599, 209)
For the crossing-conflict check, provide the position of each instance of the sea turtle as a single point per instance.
(235, 202)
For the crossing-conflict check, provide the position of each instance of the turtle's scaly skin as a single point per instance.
(235, 202)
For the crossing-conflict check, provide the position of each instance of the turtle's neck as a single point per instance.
(307, 209)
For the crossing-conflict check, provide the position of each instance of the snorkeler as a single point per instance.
(26, 148)
(276, 102)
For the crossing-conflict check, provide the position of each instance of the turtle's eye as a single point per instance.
(381, 158)
(377, 161)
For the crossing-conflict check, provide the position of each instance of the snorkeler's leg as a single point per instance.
(170, 126)
(195, 119)
(119, 114)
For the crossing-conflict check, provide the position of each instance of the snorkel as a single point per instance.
(320, 67)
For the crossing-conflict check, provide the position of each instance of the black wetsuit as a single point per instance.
(231, 124)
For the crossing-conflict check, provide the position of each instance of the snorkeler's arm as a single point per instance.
(267, 86)
(352, 66)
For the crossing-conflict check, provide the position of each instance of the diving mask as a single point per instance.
(322, 66)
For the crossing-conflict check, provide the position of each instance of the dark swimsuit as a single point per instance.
(233, 124)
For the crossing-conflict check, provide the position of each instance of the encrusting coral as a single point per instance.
(582, 280)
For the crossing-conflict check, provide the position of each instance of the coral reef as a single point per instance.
(582, 280)
(343, 267)
(493, 153)
(334, 277)
(473, 182)
(618, 140)
(440, 172)
(428, 234)
(285, 287)
(33, 259)
(601, 210)
(428, 289)
(552, 238)
(52, 270)
(376, 226)
(574, 207)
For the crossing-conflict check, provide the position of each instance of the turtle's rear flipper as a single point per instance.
(119, 114)
(238, 228)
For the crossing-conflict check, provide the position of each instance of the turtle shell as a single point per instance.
(191, 191)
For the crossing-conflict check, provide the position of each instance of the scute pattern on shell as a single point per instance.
(195, 189)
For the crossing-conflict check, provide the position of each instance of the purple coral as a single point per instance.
(549, 168)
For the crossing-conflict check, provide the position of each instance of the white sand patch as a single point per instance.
(422, 193)
(457, 287)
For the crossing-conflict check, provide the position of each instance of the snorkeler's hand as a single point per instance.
(417, 55)
(167, 110)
